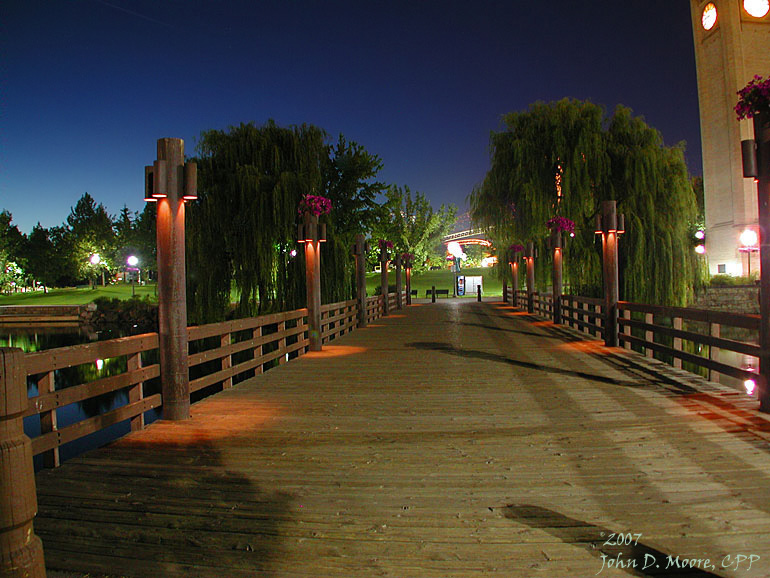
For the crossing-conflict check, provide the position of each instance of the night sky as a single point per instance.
(88, 86)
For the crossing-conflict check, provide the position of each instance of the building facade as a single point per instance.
(732, 44)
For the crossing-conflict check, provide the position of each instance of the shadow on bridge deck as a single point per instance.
(452, 439)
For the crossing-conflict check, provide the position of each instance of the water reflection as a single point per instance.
(40, 339)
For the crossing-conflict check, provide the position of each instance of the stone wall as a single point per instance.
(737, 299)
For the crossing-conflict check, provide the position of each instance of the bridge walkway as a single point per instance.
(455, 439)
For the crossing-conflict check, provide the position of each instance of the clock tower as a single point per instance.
(732, 44)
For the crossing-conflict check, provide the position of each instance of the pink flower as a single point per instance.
(561, 224)
(754, 98)
(315, 205)
(385, 244)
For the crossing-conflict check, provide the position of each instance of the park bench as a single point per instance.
(444, 292)
(414, 292)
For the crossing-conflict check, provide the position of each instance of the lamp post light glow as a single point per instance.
(749, 242)
(132, 261)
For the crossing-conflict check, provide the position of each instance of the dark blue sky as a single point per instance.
(88, 86)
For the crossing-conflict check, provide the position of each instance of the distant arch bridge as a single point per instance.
(469, 237)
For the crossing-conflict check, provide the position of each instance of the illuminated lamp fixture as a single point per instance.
(598, 227)
(190, 182)
(700, 234)
(750, 386)
(709, 16)
(756, 8)
(305, 232)
(700, 249)
(155, 181)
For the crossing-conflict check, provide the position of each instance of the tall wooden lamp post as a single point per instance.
(170, 182)
(610, 225)
(311, 233)
(407, 260)
(529, 257)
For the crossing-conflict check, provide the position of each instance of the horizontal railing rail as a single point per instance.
(583, 313)
(655, 321)
(374, 308)
(220, 354)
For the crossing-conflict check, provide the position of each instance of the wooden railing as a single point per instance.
(656, 321)
(220, 354)
(374, 308)
(338, 319)
(583, 313)
(391, 301)
(543, 303)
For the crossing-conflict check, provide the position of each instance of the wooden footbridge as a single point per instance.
(449, 439)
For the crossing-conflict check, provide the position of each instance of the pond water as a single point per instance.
(31, 339)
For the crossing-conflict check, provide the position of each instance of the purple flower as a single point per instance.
(407, 257)
(754, 98)
(315, 205)
(385, 244)
(561, 224)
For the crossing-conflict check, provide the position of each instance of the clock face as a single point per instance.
(757, 8)
(709, 18)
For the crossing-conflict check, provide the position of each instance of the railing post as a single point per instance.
(136, 391)
(714, 331)
(530, 259)
(257, 333)
(172, 292)
(677, 342)
(627, 328)
(48, 421)
(609, 229)
(557, 276)
(399, 305)
(433, 294)
(359, 250)
(282, 341)
(21, 551)
(649, 335)
(384, 281)
(478, 291)
(515, 281)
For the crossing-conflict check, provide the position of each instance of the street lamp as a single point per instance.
(94, 259)
(749, 242)
(132, 261)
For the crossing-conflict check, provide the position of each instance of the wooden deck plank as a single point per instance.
(453, 439)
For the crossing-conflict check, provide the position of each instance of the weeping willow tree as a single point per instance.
(242, 232)
(564, 158)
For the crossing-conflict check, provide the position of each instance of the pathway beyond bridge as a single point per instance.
(455, 439)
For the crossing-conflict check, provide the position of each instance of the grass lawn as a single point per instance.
(443, 279)
(77, 295)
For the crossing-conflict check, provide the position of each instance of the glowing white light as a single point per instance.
(749, 238)
(750, 386)
(700, 249)
(572, 234)
(700, 234)
(456, 250)
(293, 253)
(99, 364)
(95, 259)
(709, 18)
(756, 8)
(132, 260)
(488, 261)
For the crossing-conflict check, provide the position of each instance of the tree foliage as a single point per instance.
(564, 158)
(412, 225)
(243, 230)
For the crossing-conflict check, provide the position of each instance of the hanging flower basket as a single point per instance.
(561, 224)
(315, 205)
(754, 99)
(385, 244)
(406, 259)
(513, 249)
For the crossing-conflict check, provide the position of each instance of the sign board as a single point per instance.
(472, 282)
(460, 285)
